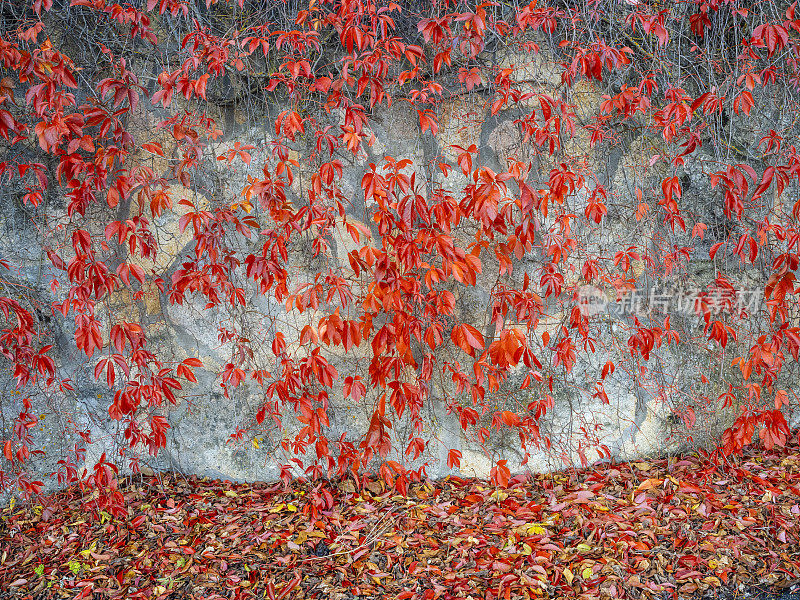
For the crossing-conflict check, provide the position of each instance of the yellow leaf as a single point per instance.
(536, 529)
(291, 508)
(586, 573)
(89, 550)
(277, 508)
(231, 494)
(246, 205)
(531, 529)
(584, 548)
(568, 575)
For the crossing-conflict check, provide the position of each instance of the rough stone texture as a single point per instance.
(171, 241)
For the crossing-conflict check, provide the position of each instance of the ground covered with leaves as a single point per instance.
(680, 527)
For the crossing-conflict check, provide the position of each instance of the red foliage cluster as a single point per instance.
(393, 301)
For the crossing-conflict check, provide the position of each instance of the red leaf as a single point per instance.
(608, 369)
(137, 521)
(699, 230)
(453, 459)
(714, 249)
(154, 148)
(774, 37)
(291, 585)
(500, 474)
(354, 388)
(744, 102)
(467, 338)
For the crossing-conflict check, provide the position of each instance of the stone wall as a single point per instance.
(639, 419)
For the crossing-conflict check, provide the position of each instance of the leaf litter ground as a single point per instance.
(667, 528)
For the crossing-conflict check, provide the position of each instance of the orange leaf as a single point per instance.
(510, 418)
(649, 484)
